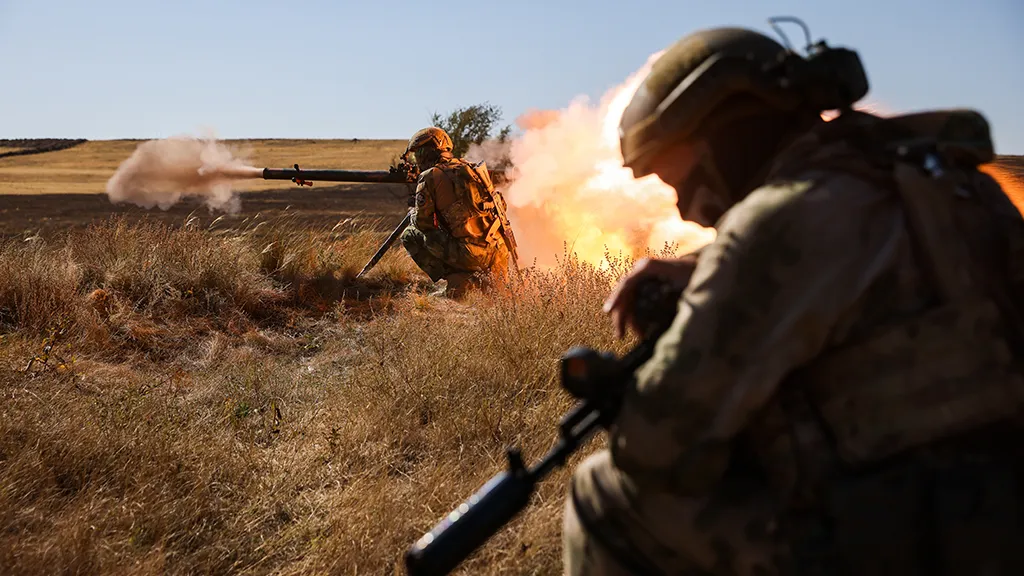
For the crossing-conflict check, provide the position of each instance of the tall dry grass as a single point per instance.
(241, 404)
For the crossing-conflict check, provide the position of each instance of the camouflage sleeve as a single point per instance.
(787, 263)
(424, 206)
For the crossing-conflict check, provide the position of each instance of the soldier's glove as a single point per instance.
(670, 277)
(655, 306)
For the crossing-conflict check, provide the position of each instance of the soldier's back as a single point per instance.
(909, 443)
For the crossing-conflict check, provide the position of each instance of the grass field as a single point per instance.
(182, 394)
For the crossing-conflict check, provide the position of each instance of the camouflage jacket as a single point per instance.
(818, 276)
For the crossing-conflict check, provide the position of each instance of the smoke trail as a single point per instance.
(162, 172)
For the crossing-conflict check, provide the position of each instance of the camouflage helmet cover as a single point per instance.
(691, 80)
(432, 137)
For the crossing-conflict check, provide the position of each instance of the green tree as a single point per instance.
(471, 125)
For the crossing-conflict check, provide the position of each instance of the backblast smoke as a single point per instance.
(570, 192)
(162, 172)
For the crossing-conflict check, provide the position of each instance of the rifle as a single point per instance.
(599, 380)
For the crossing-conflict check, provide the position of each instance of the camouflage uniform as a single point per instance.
(830, 396)
(456, 231)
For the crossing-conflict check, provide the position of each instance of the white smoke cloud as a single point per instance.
(569, 189)
(162, 172)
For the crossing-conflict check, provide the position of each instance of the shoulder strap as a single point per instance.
(928, 203)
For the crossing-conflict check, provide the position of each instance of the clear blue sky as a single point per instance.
(377, 68)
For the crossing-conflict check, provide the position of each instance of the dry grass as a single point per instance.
(176, 401)
(86, 168)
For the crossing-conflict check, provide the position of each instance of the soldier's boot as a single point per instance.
(459, 284)
(438, 288)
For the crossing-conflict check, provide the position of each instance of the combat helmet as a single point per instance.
(737, 95)
(431, 137)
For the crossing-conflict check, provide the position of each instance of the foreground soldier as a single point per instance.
(459, 231)
(840, 392)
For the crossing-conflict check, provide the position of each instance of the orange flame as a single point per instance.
(570, 190)
(1011, 184)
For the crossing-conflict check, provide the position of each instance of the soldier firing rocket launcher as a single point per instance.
(402, 173)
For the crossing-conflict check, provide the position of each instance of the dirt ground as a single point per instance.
(380, 205)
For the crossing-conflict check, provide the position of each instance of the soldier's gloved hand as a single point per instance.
(620, 304)
(412, 201)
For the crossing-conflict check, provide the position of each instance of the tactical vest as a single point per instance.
(913, 387)
(478, 213)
